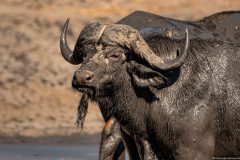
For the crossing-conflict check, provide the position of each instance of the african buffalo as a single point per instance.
(153, 86)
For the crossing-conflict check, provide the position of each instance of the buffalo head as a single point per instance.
(106, 51)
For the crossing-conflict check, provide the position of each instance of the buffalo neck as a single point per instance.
(125, 105)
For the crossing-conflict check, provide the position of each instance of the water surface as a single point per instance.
(48, 152)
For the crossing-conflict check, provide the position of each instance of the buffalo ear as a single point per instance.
(144, 77)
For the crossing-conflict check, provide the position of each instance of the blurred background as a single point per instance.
(37, 103)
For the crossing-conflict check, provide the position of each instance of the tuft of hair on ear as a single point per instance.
(145, 77)
(82, 111)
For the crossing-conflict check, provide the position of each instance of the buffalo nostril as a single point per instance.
(74, 80)
(74, 77)
(88, 76)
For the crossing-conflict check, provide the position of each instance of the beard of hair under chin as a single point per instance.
(82, 111)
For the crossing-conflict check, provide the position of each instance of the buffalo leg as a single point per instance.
(111, 147)
(145, 149)
(130, 144)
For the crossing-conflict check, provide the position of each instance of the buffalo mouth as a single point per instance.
(89, 90)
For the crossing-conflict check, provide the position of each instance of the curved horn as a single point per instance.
(66, 52)
(141, 48)
(179, 61)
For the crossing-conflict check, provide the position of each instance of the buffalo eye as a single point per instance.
(114, 56)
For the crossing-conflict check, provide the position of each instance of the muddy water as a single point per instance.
(48, 152)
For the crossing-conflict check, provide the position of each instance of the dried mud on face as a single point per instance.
(36, 98)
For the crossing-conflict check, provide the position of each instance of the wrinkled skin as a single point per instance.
(211, 28)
